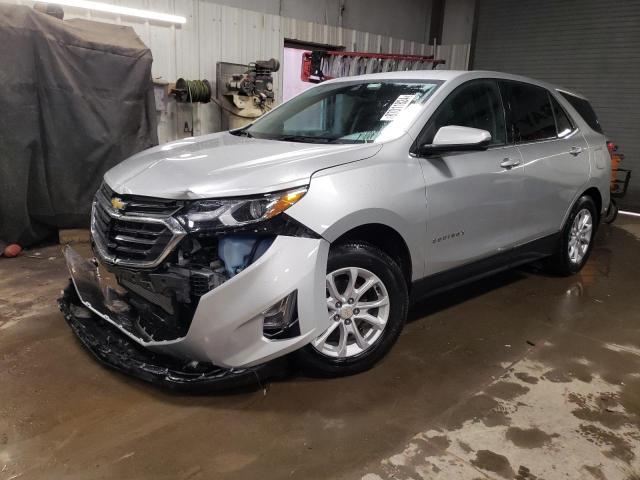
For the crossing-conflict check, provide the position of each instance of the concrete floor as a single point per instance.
(519, 376)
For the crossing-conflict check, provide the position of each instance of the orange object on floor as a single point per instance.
(12, 250)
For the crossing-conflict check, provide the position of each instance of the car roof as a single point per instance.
(441, 75)
(446, 76)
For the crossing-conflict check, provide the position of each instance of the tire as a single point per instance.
(566, 262)
(382, 278)
(612, 213)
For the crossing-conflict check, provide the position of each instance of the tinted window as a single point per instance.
(475, 104)
(563, 124)
(530, 112)
(583, 107)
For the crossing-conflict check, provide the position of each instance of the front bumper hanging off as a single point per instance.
(224, 347)
(115, 350)
(118, 351)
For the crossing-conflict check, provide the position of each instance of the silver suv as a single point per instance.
(310, 230)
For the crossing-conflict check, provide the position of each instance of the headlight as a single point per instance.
(230, 213)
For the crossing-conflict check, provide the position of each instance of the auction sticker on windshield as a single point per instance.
(398, 106)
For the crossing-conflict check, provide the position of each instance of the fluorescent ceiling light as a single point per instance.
(117, 9)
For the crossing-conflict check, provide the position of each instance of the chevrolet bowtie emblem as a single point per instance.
(117, 203)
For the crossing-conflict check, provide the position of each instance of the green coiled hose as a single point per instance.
(193, 91)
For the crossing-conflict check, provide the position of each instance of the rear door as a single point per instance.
(555, 156)
(600, 158)
(473, 198)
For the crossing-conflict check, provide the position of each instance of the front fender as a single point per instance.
(386, 189)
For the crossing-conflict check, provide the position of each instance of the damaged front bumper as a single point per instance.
(227, 327)
(115, 350)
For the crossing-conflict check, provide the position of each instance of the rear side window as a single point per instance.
(530, 112)
(565, 127)
(583, 107)
(475, 104)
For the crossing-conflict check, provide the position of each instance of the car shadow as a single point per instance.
(438, 302)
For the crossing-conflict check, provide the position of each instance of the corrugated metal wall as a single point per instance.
(589, 46)
(216, 33)
(408, 19)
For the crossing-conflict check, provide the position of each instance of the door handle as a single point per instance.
(575, 151)
(510, 163)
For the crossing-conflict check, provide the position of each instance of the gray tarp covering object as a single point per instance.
(76, 98)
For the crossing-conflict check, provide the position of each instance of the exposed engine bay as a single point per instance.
(167, 254)
(167, 297)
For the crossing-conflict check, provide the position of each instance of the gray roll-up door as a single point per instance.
(589, 46)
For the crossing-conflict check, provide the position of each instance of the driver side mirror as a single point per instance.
(454, 138)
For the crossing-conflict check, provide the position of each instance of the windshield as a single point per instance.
(346, 112)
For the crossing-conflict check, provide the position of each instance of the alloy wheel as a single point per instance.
(580, 236)
(358, 309)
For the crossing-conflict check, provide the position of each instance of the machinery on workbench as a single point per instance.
(245, 92)
(321, 65)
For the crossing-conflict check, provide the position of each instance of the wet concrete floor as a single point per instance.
(521, 376)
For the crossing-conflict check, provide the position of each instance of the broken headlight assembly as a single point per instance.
(240, 231)
(237, 213)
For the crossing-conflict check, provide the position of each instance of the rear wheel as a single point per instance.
(576, 239)
(612, 213)
(367, 304)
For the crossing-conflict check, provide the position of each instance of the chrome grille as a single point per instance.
(139, 234)
(137, 205)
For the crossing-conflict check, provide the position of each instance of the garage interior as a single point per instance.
(521, 375)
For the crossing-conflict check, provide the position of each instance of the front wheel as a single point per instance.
(367, 304)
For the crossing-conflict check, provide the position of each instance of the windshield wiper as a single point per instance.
(306, 139)
(242, 133)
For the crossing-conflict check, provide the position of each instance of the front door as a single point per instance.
(474, 199)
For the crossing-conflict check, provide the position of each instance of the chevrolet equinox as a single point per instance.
(310, 230)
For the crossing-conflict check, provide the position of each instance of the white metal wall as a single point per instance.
(408, 19)
(216, 33)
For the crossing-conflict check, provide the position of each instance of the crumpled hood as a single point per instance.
(225, 165)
